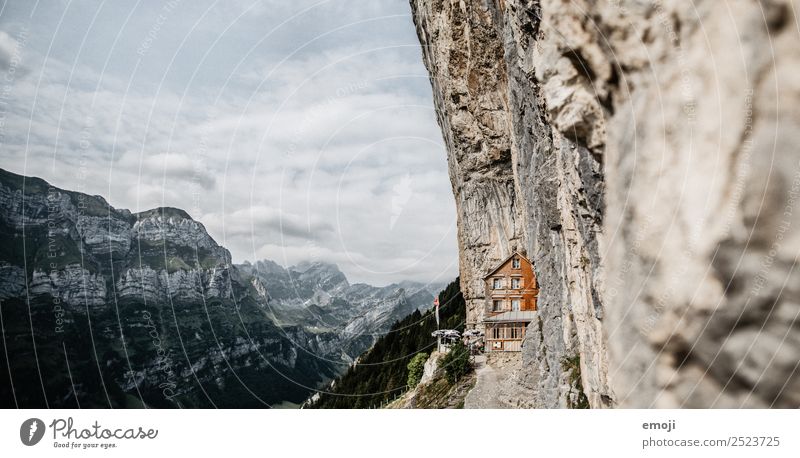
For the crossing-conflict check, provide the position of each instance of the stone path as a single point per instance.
(487, 388)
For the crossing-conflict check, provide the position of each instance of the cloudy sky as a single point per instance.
(294, 130)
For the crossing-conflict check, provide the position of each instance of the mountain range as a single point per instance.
(102, 307)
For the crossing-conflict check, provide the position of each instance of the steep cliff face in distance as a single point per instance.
(638, 152)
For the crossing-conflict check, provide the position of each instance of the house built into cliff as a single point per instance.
(511, 293)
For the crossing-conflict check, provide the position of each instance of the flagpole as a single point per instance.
(438, 336)
(436, 304)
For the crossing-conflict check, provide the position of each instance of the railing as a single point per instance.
(506, 345)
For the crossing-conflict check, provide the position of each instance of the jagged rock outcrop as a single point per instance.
(318, 297)
(12, 281)
(640, 155)
(73, 285)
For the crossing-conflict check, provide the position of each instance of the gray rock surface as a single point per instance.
(703, 183)
(12, 281)
(484, 394)
(519, 182)
(73, 285)
(431, 369)
(640, 154)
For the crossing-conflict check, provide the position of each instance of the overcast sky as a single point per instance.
(293, 130)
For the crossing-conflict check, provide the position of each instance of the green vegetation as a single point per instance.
(416, 368)
(456, 362)
(91, 339)
(441, 394)
(38, 249)
(158, 255)
(382, 373)
(88, 205)
(57, 252)
(33, 185)
(577, 398)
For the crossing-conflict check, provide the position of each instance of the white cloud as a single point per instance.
(9, 47)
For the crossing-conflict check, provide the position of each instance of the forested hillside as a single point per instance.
(381, 373)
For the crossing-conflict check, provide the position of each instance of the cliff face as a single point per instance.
(520, 184)
(84, 252)
(639, 154)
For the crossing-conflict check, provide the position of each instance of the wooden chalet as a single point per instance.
(511, 293)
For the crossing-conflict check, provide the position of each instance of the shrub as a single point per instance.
(456, 362)
(577, 398)
(415, 369)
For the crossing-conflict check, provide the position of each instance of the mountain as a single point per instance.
(648, 168)
(317, 296)
(101, 307)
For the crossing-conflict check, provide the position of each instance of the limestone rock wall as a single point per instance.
(639, 153)
(464, 52)
(72, 285)
(519, 184)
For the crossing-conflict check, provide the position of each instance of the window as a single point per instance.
(497, 305)
(515, 263)
(497, 283)
(496, 333)
(515, 305)
(515, 333)
(516, 283)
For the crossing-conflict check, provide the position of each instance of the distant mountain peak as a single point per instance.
(304, 266)
(325, 274)
(164, 212)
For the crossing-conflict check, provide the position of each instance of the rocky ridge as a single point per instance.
(637, 153)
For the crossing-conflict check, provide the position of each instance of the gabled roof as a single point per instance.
(498, 266)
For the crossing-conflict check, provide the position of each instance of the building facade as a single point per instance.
(511, 294)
